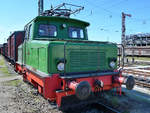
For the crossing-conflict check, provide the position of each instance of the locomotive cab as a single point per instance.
(58, 59)
(56, 28)
(58, 37)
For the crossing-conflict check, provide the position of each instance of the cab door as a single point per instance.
(27, 42)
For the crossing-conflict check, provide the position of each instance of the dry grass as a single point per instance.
(3, 67)
(13, 82)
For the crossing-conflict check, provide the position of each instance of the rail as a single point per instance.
(143, 84)
(141, 78)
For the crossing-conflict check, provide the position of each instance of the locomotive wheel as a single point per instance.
(130, 82)
(83, 90)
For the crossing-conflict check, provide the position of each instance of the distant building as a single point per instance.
(140, 39)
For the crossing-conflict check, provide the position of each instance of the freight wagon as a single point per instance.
(1, 46)
(14, 40)
(138, 51)
(1, 50)
(5, 50)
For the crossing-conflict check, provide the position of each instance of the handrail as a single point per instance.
(122, 55)
(65, 58)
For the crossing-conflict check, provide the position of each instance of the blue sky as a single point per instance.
(103, 15)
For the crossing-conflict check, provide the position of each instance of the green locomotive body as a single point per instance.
(44, 52)
(58, 59)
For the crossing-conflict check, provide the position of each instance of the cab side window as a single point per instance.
(26, 33)
(30, 32)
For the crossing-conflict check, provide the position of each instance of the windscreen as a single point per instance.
(47, 30)
(75, 32)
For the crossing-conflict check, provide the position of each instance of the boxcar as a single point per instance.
(9, 46)
(5, 50)
(14, 41)
(1, 48)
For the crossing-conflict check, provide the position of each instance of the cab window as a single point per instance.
(26, 34)
(47, 30)
(75, 32)
(30, 32)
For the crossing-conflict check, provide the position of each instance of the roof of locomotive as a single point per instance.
(59, 19)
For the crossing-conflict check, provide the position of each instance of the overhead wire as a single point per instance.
(104, 9)
(110, 16)
(116, 14)
(117, 3)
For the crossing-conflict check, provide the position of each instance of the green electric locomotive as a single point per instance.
(58, 59)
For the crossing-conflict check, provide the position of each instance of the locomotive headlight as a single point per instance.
(60, 66)
(112, 64)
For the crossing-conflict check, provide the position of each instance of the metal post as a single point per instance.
(123, 34)
(123, 29)
(40, 7)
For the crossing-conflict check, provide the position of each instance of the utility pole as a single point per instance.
(40, 7)
(124, 27)
(123, 34)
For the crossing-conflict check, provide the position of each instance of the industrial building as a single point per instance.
(140, 39)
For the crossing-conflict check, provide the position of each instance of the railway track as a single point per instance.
(143, 84)
(138, 72)
(142, 76)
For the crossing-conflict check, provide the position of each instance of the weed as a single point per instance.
(2, 62)
(13, 82)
